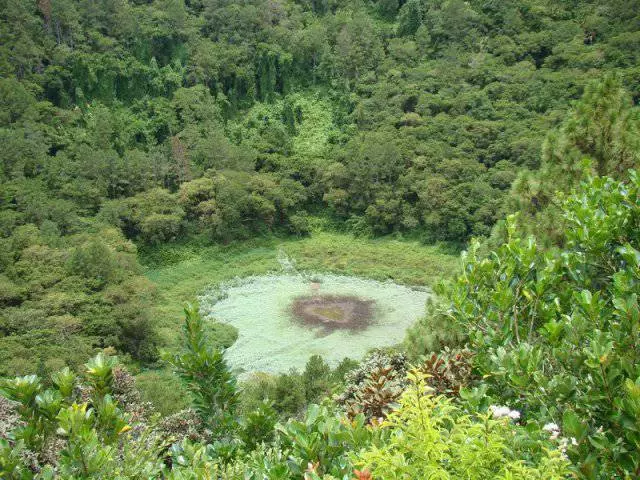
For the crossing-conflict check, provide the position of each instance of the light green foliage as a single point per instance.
(162, 389)
(66, 436)
(308, 121)
(430, 437)
(555, 331)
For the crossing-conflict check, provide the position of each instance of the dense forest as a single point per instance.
(507, 129)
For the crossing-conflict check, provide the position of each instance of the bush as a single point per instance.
(76, 428)
(555, 332)
(321, 442)
(206, 375)
(430, 437)
(158, 228)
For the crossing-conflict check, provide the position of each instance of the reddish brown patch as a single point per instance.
(362, 475)
(333, 312)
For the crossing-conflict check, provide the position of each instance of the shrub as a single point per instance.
(449, 371)
(206, 374)
(430, 437)
(373, 387)
(159, 228)
(316, 379)
(321, 442)
(555, 332)
(77, 429)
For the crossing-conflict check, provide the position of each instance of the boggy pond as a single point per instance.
(284, 319)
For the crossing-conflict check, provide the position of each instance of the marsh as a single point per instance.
(284, 319)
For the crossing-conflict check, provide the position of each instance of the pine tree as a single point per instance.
(600, 137)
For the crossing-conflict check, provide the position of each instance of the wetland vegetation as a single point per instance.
(183, 272)
(281, 322)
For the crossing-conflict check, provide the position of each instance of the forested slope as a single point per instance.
(167, 119)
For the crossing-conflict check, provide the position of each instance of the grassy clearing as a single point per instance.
(181, 271)
(408, 263)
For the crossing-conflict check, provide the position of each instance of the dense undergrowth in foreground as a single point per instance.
(93, 426)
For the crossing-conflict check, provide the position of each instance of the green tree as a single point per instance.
(554, 331)
(410, 18)
(598, 138)
(316, 378)
(206, 375)
(358, 49)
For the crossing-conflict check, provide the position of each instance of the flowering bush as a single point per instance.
(555, 333)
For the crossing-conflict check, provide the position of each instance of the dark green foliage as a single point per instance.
(258, 426)
(290, 393)
(430, 119)
(554, 332)
(237, 204)
(170, 119)
(599, 137)
(206, 375)
(316, 378)
(157, 121)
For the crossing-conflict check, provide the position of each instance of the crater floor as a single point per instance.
(284, 319)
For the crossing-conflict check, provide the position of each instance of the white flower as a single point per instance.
(574, 442)
(562, 444)
(498, 411)
(553, 429)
